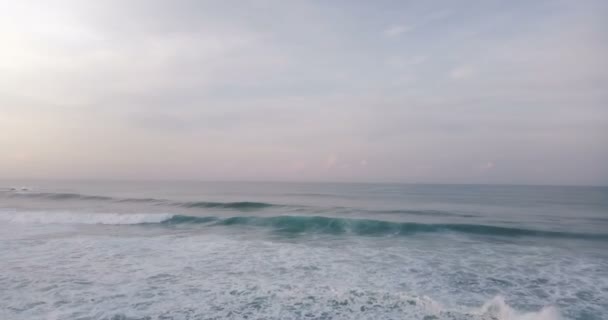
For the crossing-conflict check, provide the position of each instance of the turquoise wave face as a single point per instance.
(366, 227)
(295, 218)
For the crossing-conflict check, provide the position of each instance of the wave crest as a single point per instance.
(292, 225)
(239, 205)
(84, 218)
(320, 224)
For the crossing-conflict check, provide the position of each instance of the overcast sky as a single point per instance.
(398, 91)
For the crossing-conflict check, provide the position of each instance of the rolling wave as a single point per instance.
(60, 196)
(294, 225)
(235, 205)
(42, 217)
(427, 213)
(330, 225)
(239, 205)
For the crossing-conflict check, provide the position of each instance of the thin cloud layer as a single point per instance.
(473, 92)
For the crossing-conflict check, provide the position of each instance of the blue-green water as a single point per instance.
(193, 250)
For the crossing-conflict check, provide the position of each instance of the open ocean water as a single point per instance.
(192, 250)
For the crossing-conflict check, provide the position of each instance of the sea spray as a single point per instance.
(498, 309)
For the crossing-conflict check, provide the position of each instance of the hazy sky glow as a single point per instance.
(400, 91)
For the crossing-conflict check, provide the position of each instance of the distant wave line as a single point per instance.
(231, 205)
(237, 205)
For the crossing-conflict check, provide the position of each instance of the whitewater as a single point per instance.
(190, 250)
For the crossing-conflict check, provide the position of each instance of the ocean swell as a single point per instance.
(239, 205)
(234, 205)
(330, 225)
(287, 224)
(83, 218)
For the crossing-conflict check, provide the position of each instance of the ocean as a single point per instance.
(252, 250)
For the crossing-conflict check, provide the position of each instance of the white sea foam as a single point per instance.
(130, 274)
(83, 218)
(497, 308)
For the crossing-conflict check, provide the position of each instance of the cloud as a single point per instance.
(396, 30)
(404, 62)
(488, 165)
(462, 72)
(331, 161)
(178, 89)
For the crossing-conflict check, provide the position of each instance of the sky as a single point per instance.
(512, 92)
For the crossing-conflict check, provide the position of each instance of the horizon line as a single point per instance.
(302, 182)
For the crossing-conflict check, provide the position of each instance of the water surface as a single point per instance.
(193, 250)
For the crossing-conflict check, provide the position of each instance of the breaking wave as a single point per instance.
(287, 224)
(83, 218)
(498, 309)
